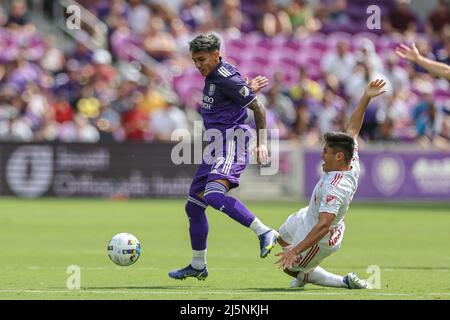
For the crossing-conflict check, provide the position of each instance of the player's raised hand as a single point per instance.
(257, 83)
(262, 154)
(409, 53)
(375, 88)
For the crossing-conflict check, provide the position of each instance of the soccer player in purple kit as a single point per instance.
(226, 97)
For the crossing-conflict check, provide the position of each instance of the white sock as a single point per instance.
(258, 227)
(198, 259)
(323, 278)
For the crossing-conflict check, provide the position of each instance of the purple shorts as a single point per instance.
(228, 164)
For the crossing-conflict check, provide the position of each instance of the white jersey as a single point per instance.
(333, 194)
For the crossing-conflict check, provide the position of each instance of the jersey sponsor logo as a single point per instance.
(244, 91)
(335, 235)
(206, 106)
(208, 99)
(211, 89)
(330, 199)
(207, 102)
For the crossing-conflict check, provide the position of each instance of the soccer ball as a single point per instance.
(124, 249)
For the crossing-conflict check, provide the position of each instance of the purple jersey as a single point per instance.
(225, 98)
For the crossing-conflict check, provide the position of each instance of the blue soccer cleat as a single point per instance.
(267, 241)
(189, 271)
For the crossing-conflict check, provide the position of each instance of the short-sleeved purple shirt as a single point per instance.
(225, 98)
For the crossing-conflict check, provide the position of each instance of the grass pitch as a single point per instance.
(41, 238)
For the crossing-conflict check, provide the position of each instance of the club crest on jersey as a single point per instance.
(331, 199)
(244, 91)
(211, 89)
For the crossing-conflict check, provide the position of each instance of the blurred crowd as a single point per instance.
(318, 56)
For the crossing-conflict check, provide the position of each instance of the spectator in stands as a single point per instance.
(166, 120)
(24, 71)
(363, 73)
(19, 13)
(438, 18)
(302, 18)
(393, 118)
(275, 21)
(136, 125)
(229, 17)
(430, 122)
(397, 76)
(53, 59)
(3, 16)
(86, 132)
(336, 14)
(158, 43)
(368, 54)
(331, 108)
(402, 18)
(340, 62)
(306, 88)
(196, 16)
(138, 16)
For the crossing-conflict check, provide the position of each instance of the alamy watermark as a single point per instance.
(374, 20)
(375, 276)
(73, 21)
(73, 282)
(225, 148)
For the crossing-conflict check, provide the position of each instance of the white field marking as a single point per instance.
(296, 292)
(222, 269)
(84, 268)
(415, 270)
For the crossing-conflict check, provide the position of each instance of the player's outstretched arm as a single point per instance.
(291, 254)
(374, 89)
(259, 111)
(257, 83)
(413, 55)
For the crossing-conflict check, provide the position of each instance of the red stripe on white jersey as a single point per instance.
(337, 179)
(305, 263)
(307, 255)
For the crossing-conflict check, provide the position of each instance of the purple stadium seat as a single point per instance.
(234, 60)
(287, 63)
(335, 37)
(254, 37)
(292, 44)
(290, 74)
(316, 41)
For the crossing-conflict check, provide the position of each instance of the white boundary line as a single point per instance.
(112, 268)
(299, 293)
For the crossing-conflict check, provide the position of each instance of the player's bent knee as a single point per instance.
(214, 200)
(282, 243)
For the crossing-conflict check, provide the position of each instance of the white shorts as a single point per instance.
(294, 230)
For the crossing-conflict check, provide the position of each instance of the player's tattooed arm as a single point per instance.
(259, 112)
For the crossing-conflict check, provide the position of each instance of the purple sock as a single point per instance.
(235, 209)
(198, 223)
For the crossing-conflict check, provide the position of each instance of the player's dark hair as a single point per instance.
(208, 42)
(341, 142)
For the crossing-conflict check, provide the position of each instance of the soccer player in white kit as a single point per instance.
(315, 232)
